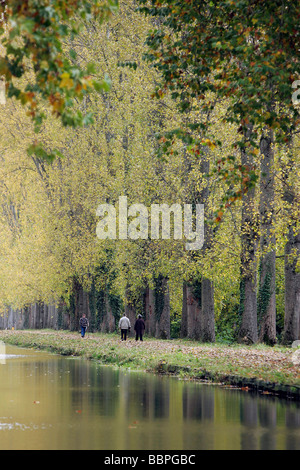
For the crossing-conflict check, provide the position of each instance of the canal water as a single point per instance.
(52, 402)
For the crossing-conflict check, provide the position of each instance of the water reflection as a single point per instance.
(50, 402)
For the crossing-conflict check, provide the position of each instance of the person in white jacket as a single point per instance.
(124, 325)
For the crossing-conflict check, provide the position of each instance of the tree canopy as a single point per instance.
(241, 52)
(36, 37)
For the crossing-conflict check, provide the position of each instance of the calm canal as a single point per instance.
(51, 402)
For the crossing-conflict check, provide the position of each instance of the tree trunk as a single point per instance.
(162, 308)
(183, 327)
(207, 288)
(291, 330)
(197, 319)
(248, 295)
(198, 323)
(208, 312)
(267, 294)
(194, 310)
(157, 309)
(150, 312)
(292, 288)
(130, 311)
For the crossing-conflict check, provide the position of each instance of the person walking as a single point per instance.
(84, 323)
(139, 328)
(124, 325)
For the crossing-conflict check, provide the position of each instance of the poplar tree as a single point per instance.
(246, 53)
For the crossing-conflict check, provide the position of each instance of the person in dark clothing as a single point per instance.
(139, 328)
(84, 323)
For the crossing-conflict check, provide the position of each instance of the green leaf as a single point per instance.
(73, 54)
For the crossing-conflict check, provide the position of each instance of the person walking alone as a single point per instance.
(139, 328)
(124, 325)
(84, 323)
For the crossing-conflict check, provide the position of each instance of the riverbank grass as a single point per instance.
(259, 367)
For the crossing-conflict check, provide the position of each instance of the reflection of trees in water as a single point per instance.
(217, 417)
(193, 415)
(112, 408)
(198, 403)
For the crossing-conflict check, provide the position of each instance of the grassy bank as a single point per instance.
(262, 368)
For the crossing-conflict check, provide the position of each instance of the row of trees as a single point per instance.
(222, 133)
